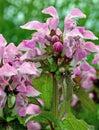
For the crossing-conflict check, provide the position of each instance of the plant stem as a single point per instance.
(39, 58)
(67, 95)
(51, 125)
(55, 98)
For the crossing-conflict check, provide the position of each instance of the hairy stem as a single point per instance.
(67, 95)
(55, 98)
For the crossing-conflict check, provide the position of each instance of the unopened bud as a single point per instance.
(62, 69)
(55, 39)
(58, 47)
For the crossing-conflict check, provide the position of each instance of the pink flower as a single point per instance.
(76, 13)
(69, 22)
(86, 33)
(87, 74)
(30, 109)
(96, 58)
(52, 22)
(31, 125)
(2, 45)
(10, 54)
(35, 25)
(29, 91)
(28, 68)
(7, 70)
(24, 107)
(26, 45)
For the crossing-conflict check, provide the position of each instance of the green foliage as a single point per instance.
(46, 117)
(86, 115)
(71, 123)
(44, 84)
(11, 100)
(85, 100)
(12, 125)
(16, 125)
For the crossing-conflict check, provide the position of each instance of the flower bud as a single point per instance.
(58, 46)
(55, 39)
(62, 69)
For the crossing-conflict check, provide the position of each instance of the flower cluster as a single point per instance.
(16, 79)
(69, 43)
(19, 65)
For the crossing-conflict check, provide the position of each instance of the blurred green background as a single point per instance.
(14, 13)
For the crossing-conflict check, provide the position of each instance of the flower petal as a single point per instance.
(52, 22)
(91, 47)
(7, 70)
(74, 33)
(28, 68)
(87, 34)
(34, 25)
(77, 13)
(2, 40)
(31, 125)
(50, 10)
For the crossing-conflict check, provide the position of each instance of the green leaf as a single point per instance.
(11, 100)
(85, 100)
(53, 66)
(44, 84)
(15, 124)
(71, 123)
(28, 118)
(9, 128)
(2, 127)
(46, 117)
(1, 112)
(34, 101)
(11, 118)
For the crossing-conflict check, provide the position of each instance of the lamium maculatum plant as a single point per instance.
(43, 77)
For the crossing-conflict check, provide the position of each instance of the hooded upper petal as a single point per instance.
(77, 13)
(50, 10)
(52, 22)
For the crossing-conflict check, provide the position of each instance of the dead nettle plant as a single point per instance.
(39, 77)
